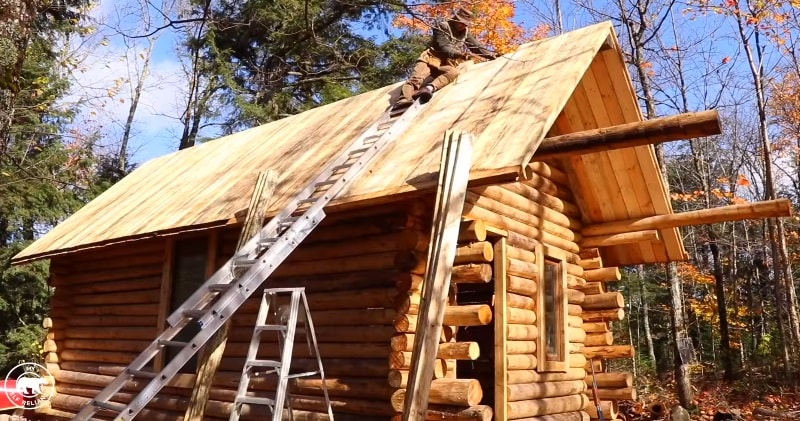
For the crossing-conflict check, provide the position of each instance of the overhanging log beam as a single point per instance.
(621, 238)
(756, 210)
(659, 130)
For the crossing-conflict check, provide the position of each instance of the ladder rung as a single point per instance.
(327, 182)
(263, 363)
(194, 314)
(306, 374)
(288, 221)
(116, 407)
(176, 344)
(252, 400)
(243, 261)
(307, 201)
(342, 167)
(219, 287)
(142, 373)
(360, 150)
(267, 328)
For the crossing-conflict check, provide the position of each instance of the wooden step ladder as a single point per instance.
(224, 292)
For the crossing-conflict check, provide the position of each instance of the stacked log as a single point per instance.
(452, 395)
(600, 309)
(538, 212)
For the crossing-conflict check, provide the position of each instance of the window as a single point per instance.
(188, 273)
(552, 314)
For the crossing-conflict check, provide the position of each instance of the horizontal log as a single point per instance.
(326, 350)
(337, 300)
(622, 238)
(574, 310)
(405, 240)
(457, 392)
(544, 406)
(472, 231)
(549, 172)
(402, 260)
(120, 332)
(628, 135)
(576, 335)
(593, 288)
(363, 407)
(519, 241)
(521, 254)
(596, 327)
(599, 339)
(521, 362)
(480, 252)
(756, 210)
(621, 394)
(522, 269)
(603, 315)
(105, 345)
(466, 315)
(575, 296)
(564, 416)
(399, 378)
(521, 332)
(372, 316)
(531, 376)
(574, 321)
(610, 380)
(471, 274)
(521, 392)
(520, 347)
(465, 351)
(442, 413)
(522, 286)
(608, 274)
(606, 300)
(520, 301)
(549, 219)
(116, 310)
(575, 282)
(337, 282)
(137, 284)
(507, 223)
(576, 360)
(343, 387)
(550, 201)
(520, 316)
(405, 341)
(609, 352)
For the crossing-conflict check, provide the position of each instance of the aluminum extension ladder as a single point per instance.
(224, 292)
(286, 326)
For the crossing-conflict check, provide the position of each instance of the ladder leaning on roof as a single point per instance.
(224, 292)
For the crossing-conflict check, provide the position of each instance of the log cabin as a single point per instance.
(564, 189)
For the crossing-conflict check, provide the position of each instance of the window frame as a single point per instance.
(547, 362)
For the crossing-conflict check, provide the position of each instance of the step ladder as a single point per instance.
(225, 291)
(285, 324)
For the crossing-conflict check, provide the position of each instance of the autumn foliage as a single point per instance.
(493, 25)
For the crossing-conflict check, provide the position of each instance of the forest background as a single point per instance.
(89, 91)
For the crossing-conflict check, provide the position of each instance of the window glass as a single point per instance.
(551, 289)
(188, 273)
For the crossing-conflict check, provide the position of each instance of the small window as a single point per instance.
(552, 317)
(189, 273)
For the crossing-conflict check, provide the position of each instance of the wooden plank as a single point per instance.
(211, 356)
(500, 330)
(456, 161)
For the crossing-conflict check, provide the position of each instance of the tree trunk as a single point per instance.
(722, 309)
(122, 154)
(646, 317)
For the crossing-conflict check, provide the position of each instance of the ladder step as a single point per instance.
(243, 261)
(263, 363)
(252, 400)
(342, 167)
(108, 405)
(194, 314)
(142, 373)
(306, 374)
(307, 201)
(359, 151)
(271, 328)
(327, 182)
(219, 287)
(175, 344)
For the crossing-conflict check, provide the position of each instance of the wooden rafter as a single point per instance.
(755, 210)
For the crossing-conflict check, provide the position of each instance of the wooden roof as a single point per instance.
(509, 104)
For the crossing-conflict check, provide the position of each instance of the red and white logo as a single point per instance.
(27, 386)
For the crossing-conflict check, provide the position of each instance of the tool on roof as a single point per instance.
(215, 302)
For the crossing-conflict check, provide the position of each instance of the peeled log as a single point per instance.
(576, 360)
(471, 274)
(472, 231)
(610, 380)
(608, 352)
(532, 376)
(756, 210)
(621, 239)
(591, 288)
(608, 410)
(625, 393)
(606, 300)
(347, 387)
(521, 254)
(467, 315)
(536, 407)
(575, 297)
(522, 286)
(457, 392)
(609, 274)
(476, 212)
(405, 341)
(520, 301)
(399, 378)
(604, 315)
(574, 321)
(599, 339)
(520, 316)
(520, 347)
(576, 335)
(480, 252)
(522, 268)
(440, 413)
(521, 332)
(596, 327)
(574, 310)
(521, 362)
(564, 416)
(465, 351)
(520, 392)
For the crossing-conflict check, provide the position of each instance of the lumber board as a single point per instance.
(501, 335)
